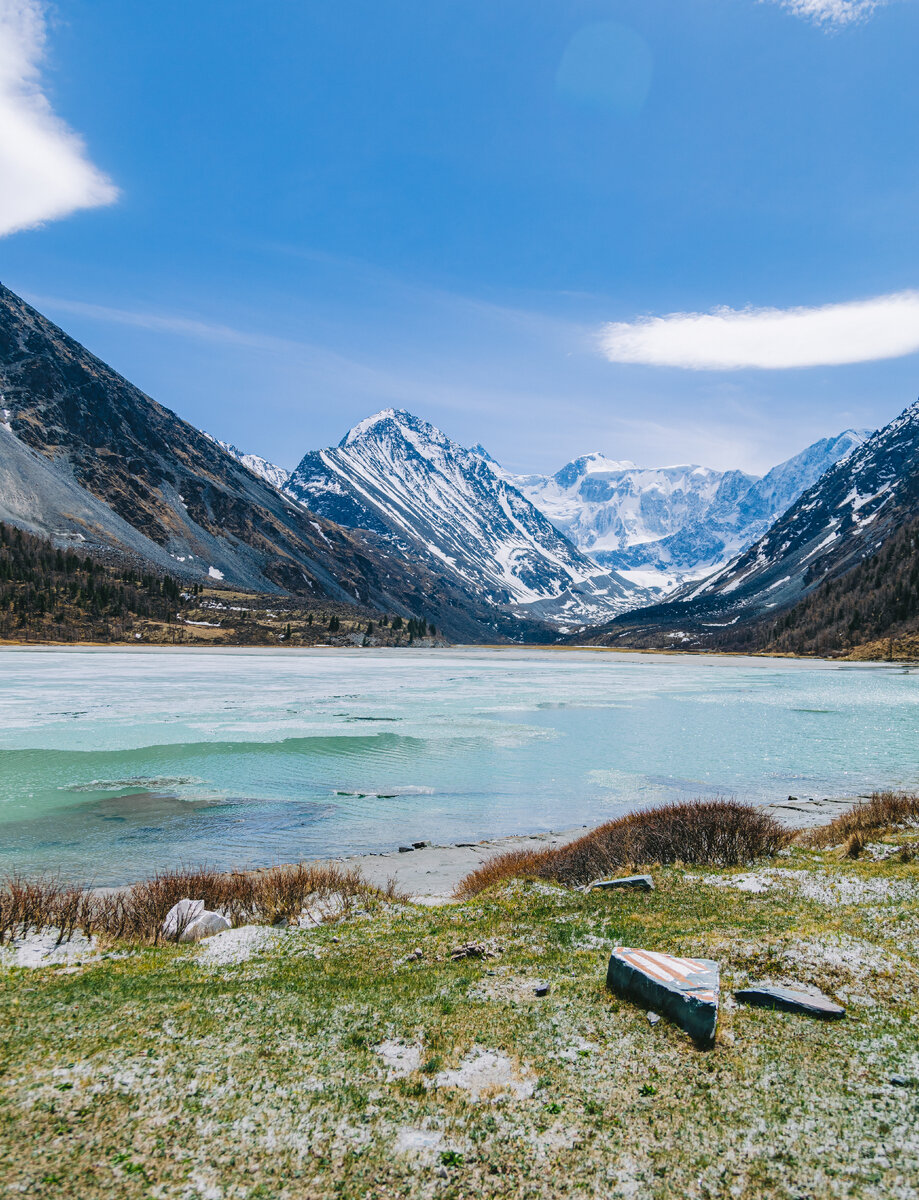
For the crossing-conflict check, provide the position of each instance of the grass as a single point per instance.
(711, 832)
(153, 1071)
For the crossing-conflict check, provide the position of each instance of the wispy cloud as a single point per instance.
(189, 327)
(832, 12)
(44, 168)
(770, 338)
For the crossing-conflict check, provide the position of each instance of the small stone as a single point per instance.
(795, 1000)
(542, 989)
(406, 849)
(901, 1081)
(476, 950)
(419, 845)
(641, 883)
(653, 1018)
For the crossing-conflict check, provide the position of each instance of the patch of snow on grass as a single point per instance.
(399, 1058)
(488, 1074)
(420, 1142)
(831, 890)
(238, 945)
(42, 950)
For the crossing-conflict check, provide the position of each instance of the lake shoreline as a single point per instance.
(431, 873)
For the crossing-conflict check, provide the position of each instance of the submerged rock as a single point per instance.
(796, 1000)
(684, 989)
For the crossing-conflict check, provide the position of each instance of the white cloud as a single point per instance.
(770, 338)
(43, 165)
(832, 12)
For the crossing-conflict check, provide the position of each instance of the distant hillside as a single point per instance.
(50, 594)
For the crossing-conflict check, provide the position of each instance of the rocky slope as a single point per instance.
(403, 479)
(662, 526)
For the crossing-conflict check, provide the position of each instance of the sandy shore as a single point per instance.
(432, 873)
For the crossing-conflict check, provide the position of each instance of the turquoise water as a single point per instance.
(114, 762)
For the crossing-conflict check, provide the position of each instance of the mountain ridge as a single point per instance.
(842, 521)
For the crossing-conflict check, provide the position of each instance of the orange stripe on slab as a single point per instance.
(652, 968)
(654, 962)
(666, 968)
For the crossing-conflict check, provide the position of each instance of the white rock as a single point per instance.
(190, 921)
(206, 925)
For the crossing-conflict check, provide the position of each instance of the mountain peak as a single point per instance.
(401, 418)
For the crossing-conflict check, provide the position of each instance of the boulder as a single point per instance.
(642, 883)
(786, 999)
(684, 989)
(190, 921)
(206, 925)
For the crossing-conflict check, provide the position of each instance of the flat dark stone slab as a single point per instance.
(643, 883)
(684, 989)
(786, 999)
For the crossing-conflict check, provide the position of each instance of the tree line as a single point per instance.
(47, 591)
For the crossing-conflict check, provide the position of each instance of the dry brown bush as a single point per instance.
(719, 833)
(883, 810)
(136, 913)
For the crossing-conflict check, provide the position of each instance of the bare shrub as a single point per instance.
(855, 844)
(136, 913)
(719, 833)
(882, 811)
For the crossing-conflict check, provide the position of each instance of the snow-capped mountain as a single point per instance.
(844, 517)
(661, 526)
(400, 477)
(266, 470)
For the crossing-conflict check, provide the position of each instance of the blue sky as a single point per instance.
(277, 216)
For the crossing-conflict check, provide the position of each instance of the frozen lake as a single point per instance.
(116, 761)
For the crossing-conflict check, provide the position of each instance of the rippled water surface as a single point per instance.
(113, 762)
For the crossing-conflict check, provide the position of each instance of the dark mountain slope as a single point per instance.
(88, 459)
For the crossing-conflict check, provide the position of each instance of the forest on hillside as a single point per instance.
(48, 594)
(877, 600)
